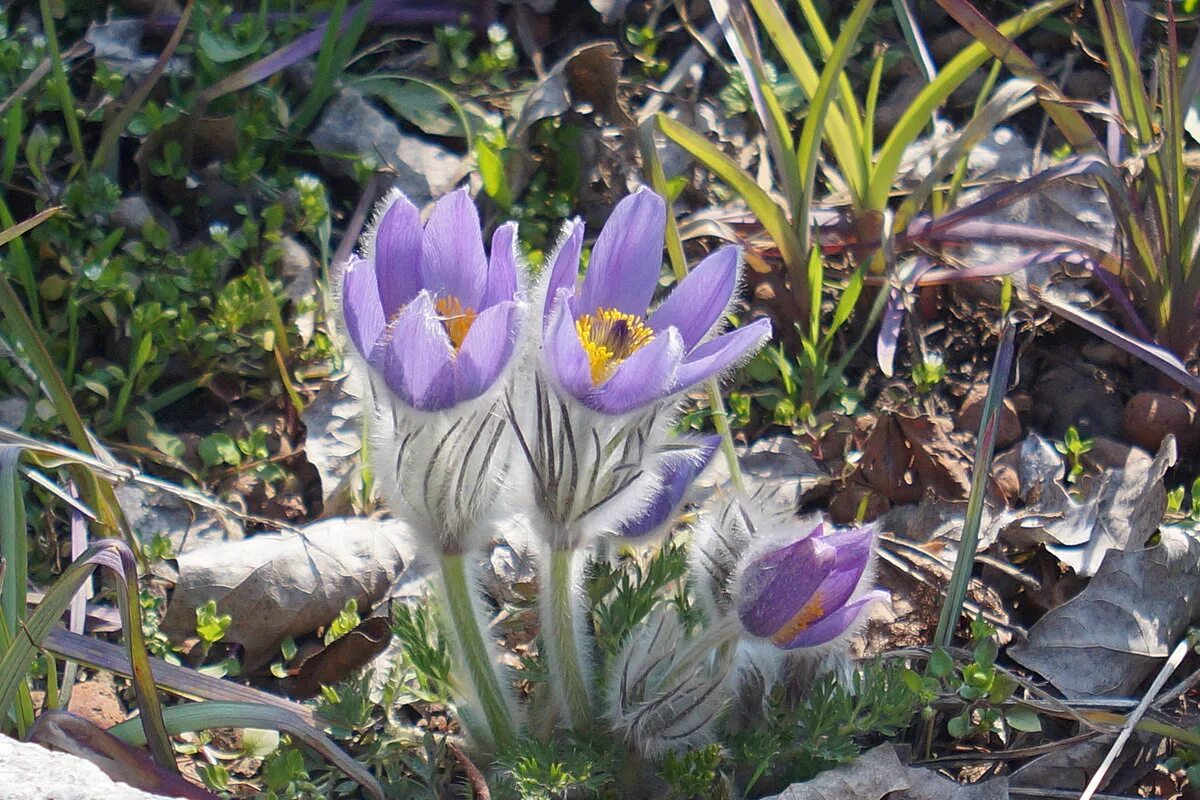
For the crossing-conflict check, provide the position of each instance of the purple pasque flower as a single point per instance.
(677, 470)
(602, 346)
(807, 593)
(426, 307)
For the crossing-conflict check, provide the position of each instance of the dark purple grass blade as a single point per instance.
(115, 556)
(123, 763)
(1159, 358)
(1072, 124)
(382, 13)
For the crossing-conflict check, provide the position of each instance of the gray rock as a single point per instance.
(31, 772)
(777, 467)
(151, 513)
(351, 126)
(12, 411)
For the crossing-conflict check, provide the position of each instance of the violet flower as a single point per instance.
(678, 469)
(807, 593)
(602, 346)
(427, 309)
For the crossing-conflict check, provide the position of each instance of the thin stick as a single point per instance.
(1131, 722)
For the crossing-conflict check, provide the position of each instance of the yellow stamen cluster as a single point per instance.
(809, 613)
(609, 337)
(455, 319)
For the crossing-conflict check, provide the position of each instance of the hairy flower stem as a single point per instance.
(474, 657)
(559, 636)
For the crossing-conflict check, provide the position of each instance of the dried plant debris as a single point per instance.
(880, 773)
(276, 586)
(1121, 509)
(905, 458)
(1113, 635)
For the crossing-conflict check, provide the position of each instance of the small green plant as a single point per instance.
(1187, 760)
(1074, 447)
(697, 774)
(545, 771)
(1175, 502)
(346, 621)
(928, 372)
(827, 727)
(984, 689)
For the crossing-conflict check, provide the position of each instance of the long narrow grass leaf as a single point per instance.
(921, 109)
(844, 141)
(204, 716)
(845, 96)
(989, 426)
(99, 496)
(1068, 119)
(915, 41)
(742, 42)
(61, 85)
(769, 213)
(118, 559)
(808, 152)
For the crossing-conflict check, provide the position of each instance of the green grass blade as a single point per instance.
(930, 98)
(773, 218)
(8, 234)
(808, 153)
(204, 716)
(716, 400)
(1013, 97)
(843, 141)
(118, 559)
(989, 426)
(1068, 120)
(740, 37)
(914, 39)
(845, 96)
(13, 574)
(99, 496)
(62, 86)
(336, 48)
(13, 540)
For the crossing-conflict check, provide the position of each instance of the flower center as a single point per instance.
(455, 319)
(609, 337)
(809, 613)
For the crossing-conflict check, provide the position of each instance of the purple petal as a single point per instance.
(360, 305)
(853, 547)
(889, 332)
(678, 470)
(644, 377)
(416, 362)
(716, 356)
(453, 263)
(777, 586)
(698, 302)
(485, 351)
(568, 361)
(626, 260)
(564, 264)
(397, 255)
(835, 624)
(502, 268)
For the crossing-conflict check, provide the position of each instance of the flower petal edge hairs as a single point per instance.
(430, 312)
(602, 346)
